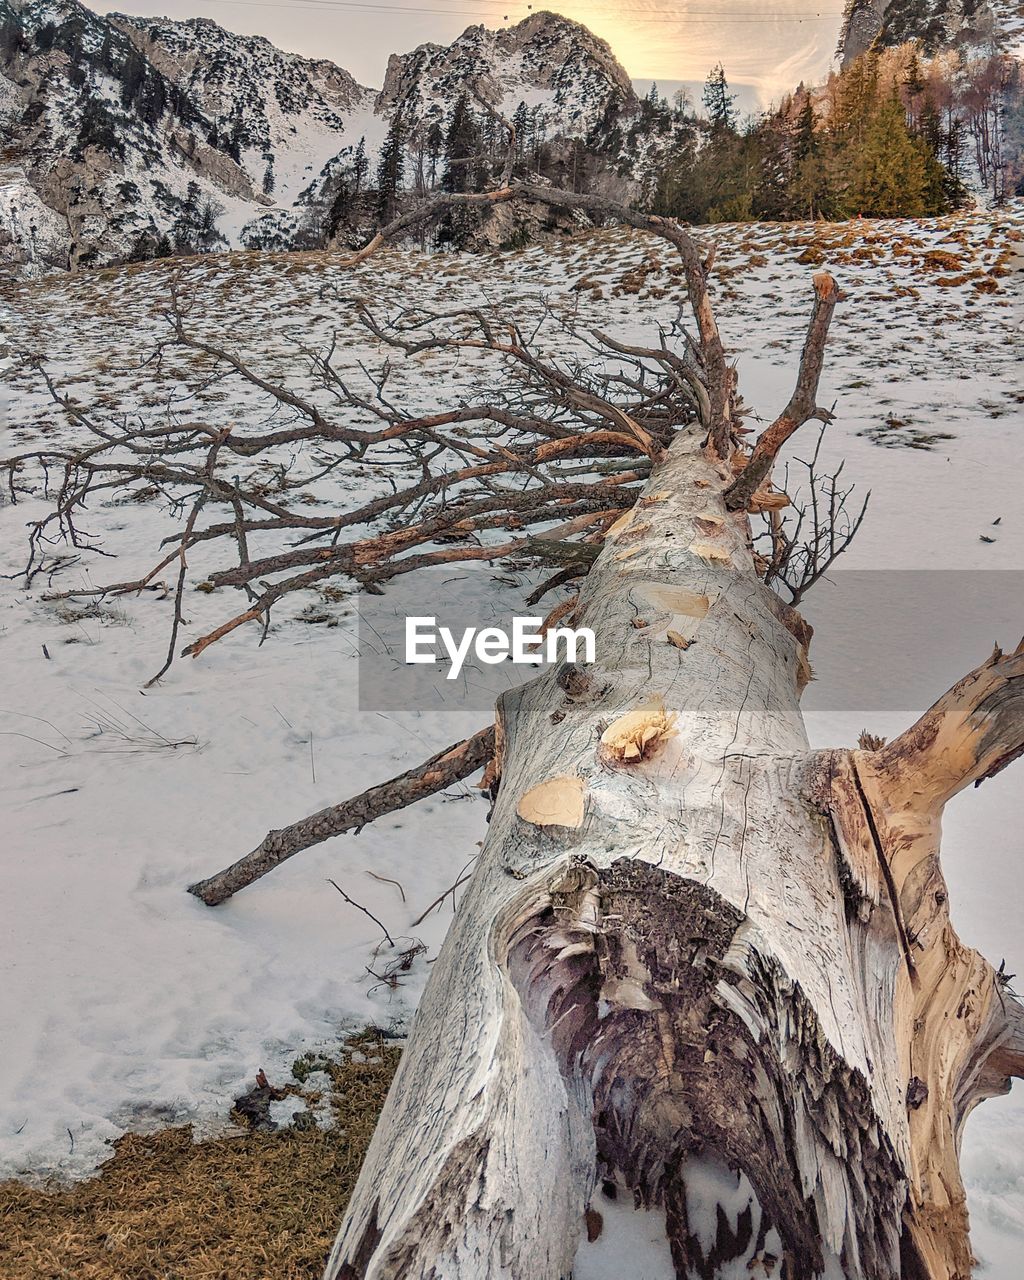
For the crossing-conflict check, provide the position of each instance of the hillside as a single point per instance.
(126, 136)
(973, 28)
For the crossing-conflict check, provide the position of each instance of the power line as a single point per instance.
(701, 16)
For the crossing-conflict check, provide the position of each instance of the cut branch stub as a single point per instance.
(638, 734)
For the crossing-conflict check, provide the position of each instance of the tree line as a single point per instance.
(892, 135)
(889, 136)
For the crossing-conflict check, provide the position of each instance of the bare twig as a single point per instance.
(359, 907)
(387, 880)
(439, 900)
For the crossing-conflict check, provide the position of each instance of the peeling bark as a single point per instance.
(693, 950)
(693, 944)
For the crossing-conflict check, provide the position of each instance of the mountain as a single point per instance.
(123, 136)
(564, 74)
(119, 130)
(973, 26)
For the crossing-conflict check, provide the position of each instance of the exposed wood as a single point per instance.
(972, 732)
(954, 1025)
(690, 937)
(638, 734)
(694, 971)
(558, 802)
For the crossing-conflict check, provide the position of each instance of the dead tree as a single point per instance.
(692, 950)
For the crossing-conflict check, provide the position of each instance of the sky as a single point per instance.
(767, 48)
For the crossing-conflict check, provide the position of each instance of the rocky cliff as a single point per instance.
(123, 136)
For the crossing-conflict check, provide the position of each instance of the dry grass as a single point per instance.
(249, 1206)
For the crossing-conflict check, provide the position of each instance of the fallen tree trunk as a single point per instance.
(695, 953)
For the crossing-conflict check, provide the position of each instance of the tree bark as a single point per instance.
(692, 943)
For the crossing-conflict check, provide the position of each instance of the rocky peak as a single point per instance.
(974, 26)
(216, 65)
(562, 71)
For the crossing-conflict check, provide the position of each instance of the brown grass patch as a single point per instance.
(246, 1206)
(942, 260)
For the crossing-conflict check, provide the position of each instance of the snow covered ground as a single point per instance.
(127, 1003)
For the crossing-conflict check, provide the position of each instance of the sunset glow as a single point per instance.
(770, 46)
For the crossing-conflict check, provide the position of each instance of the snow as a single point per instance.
(127, 1002)
(632, 1242)
(1009, 24)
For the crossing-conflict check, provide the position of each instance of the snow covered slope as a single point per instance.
(286, 115)
(122, 136)
(977, 27)
(554, 66)
(126, 1002)
(127, 129)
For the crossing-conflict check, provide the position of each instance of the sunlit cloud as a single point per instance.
(772, 49)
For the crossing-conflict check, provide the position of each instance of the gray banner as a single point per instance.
(885, 640)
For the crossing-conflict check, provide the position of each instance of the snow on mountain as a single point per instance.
(556, 67)
(285, 114)
(126, 136)
(974, 26)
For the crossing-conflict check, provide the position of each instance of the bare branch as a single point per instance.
(801, 407)
(440, 771)
(972, 733)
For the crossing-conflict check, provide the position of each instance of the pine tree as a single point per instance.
(99, 129)
(461, 172)
(462, 145)
(889, 176)
(855, 94)
(143, 249)
(152, 100)
(12, 39)
(943, 190)
(435, 148)
(810, 193)
(360, 166)
(233, 146)
(105, 56)
(391, 170)
(521, 124)
(133, 73)
(718, 101)
(770, 143)
(344, 208)
(340, 212)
